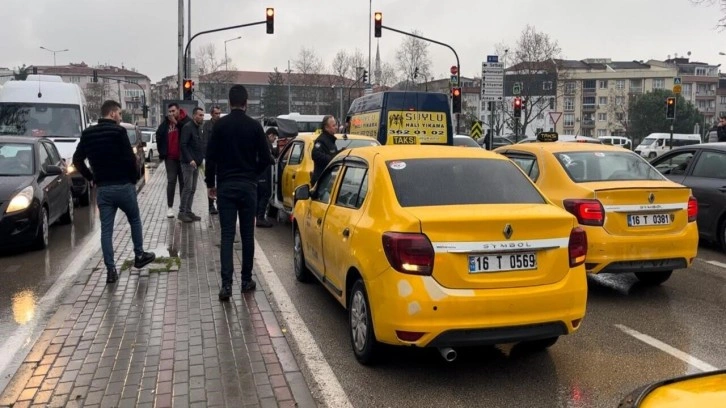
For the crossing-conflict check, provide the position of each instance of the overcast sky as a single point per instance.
(143, 33)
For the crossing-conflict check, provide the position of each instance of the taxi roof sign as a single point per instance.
(548, 137)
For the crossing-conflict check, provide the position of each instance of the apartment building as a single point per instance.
(595, 93)
(129, 93)
(700, 82)
(721, 96)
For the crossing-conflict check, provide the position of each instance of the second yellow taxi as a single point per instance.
(636, 219)
(436, 246)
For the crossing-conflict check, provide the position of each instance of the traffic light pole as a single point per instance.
(186, 49)
(675, 106)
(458, 66)
(490, 142)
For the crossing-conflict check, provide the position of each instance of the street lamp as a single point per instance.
(53, 51)
(226, 61)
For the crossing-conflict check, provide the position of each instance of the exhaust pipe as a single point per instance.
(448, 353)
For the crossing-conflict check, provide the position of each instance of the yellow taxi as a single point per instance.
(697, 390)
(436, 246)
(295, 166)
(636, 219)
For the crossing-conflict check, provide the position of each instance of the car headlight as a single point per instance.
(135, 150)
(71, 169)
(21, 200)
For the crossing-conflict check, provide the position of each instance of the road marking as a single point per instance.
(27, 334)
(716, 263)
(687, 358)
(326, 381)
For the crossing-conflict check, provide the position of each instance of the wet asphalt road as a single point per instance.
(595, 367)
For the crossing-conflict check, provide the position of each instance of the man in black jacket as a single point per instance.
(167, 144)
(324, 148)
(264, 184)
(721, 129)
(237, 153)
(207, 131)
(108, 150)
(192, 154)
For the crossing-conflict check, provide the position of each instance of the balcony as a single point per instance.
(588, 123)
(589, 107)
(636, 89)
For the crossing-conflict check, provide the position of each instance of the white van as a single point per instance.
(305, 123)
(621, 141)
(656, 144)
(45, 106)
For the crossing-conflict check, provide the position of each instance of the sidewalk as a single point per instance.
(159, 337)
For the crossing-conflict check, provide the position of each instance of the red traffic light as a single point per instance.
(270, 14)
(378, 19)
(517, 102)
(456, 91)
(671, 101)
(188, 84)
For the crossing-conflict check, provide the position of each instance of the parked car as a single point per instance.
(499, 141)
(149, 137)
(702, 168)
(137, 144)
(636, 220)
(465, 141)
(566, 138)
(695, 390)
(35, 191)
(430, 246)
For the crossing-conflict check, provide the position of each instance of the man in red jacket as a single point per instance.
(168, 146)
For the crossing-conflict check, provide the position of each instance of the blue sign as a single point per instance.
(492, 58)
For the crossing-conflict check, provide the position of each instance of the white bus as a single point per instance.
(305, 123)
(656, 144)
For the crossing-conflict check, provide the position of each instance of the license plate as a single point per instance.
(502, 262)
(643, 220)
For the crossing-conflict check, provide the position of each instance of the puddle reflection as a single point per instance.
(24, 303)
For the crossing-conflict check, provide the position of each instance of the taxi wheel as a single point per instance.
(362, 337)
(653, 278)
(302, 274)
(541, 344)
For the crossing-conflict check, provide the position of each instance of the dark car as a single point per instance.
(35, 191)
(702, 168)
(465, 141)
(138, 144)
(499, 141)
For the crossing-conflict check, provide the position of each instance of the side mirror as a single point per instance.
(301, 193)
(51, 170)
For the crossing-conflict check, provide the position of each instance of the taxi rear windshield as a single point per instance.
(583, 167)
(453, 181)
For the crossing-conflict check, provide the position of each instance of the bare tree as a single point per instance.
(413, 57)
(722, 5)
(215, 80)
(309, 67)
(538, 73)
(341, 66)
(357, 60)
(617, 110)
(207, 60)
(95, 93)
(388, 75)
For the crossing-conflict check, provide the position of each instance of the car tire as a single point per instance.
(362, 338)
(539, 345)
(302, 273)
(85, 199)
(651, 155)
(653, 278)
(42, 237)
(150, 156)
(67, 217)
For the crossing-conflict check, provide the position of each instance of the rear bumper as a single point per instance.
(471, 317)
(617, 254)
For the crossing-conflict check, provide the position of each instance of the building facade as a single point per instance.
(700, 82)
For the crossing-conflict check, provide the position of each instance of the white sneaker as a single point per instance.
(170, 213)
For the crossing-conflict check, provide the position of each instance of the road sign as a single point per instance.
(517, 89)
(475, 130)
(492, 58)
(677, 89)
(454, 70)
(454, 80)
(492, 84)
(555, 117)
(677, 81)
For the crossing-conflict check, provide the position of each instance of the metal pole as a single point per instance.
(54, 64)
(289, 93)
(181, 63)
(490, 142)
(186, 49)
(370, 14)
(341, 103)
(226, 64)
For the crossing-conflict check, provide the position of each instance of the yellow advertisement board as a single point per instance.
(416, 127)
(366, 124)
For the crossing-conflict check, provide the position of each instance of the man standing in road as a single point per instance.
(721, 129)
(108, 150)
(215, 113)
(324, 148)
(264, 185)
(192, 155)
(236, 155)
(167, 139)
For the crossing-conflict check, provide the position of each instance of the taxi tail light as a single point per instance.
(577, 247)
(588, 212)
(409, 253)
(692, 209)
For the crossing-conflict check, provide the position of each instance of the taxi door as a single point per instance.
(289, 172)
(314, 221)
(339, 224)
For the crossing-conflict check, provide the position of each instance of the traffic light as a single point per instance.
(670, 108)
(146, 111)
(517, 107)
(365, 76)
(188, 89)
(95, 75)
(270, 20)
(456, 100)
(378, 19)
